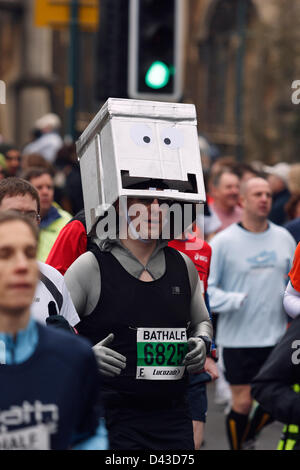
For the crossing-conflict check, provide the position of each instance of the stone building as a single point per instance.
(241, 58)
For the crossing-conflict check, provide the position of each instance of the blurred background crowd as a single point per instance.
(49, 162)
(238, 63)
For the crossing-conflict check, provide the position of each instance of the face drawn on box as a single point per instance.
(164, 152)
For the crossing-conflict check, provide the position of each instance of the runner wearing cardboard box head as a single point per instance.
(140, 301)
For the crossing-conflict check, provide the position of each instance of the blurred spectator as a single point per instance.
(292, 209)
(277, 177)
(53, 217)
(243, 170)
(246, 171)
(47, 141)
(223, 163)
(209, 153)
(37, 161)
(225, 191)
(12, 159)
(34, 160)
(294, 178)
(68, 188)
(208, 222)
(258, 166)
(226, 164)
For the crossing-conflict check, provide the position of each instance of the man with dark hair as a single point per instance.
(12, 158)
(49, 379)
(14, 186)
(53, 217)
(19, 195)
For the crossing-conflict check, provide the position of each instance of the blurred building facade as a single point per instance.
(241, 57)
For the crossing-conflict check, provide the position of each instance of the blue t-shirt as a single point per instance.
(248, 277)
(50, 400)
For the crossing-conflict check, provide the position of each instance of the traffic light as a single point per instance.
(112, 50)
(155, 49)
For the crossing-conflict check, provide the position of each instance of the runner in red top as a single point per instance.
(69, 245)
(199, 251)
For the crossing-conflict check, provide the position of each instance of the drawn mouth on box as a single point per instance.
(137, 182)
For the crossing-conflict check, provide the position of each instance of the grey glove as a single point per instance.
(110, 362)
(195, 358)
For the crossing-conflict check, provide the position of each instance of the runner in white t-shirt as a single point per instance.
(19, 195)
(45, 293)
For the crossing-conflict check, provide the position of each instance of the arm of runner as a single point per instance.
(68, 310)
(85, 295)
(221, 301)
(273, 385)
(291, 301)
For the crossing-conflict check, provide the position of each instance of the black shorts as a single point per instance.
(149, 427)
(242, 364)
(197, 397)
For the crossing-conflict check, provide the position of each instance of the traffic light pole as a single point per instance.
(71, 88)
(156, 49)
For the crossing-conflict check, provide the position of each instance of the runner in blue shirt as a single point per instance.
(49, 379)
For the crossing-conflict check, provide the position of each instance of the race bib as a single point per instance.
(31, 438)
(160, 353)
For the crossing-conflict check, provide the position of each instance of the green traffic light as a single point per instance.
(157, 75)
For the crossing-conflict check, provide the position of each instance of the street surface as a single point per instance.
(215, 437)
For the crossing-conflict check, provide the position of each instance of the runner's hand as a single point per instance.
(195, 358)
(110, 362)
(57, 321)
(211, 368)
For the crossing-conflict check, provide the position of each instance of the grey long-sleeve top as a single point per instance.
(83, 279)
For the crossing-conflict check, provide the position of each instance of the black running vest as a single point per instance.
(127, 303)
